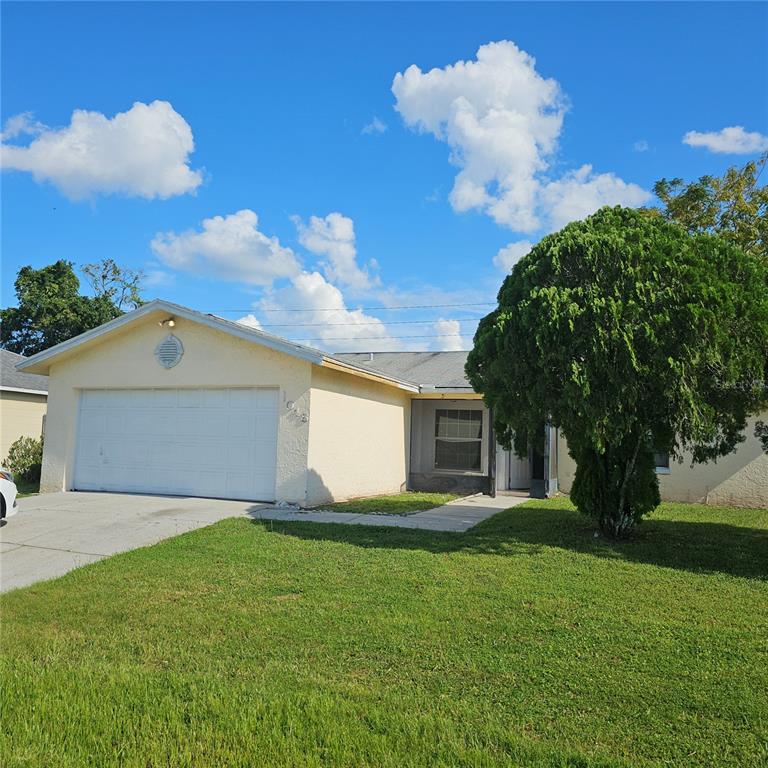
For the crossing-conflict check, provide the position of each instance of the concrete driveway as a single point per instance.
(56, 532)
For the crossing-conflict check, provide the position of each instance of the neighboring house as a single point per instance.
(23, 398)
(169, 400)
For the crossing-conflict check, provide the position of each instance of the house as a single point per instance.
(168, 400)
(23, 402)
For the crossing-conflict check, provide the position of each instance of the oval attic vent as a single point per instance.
(169, 351)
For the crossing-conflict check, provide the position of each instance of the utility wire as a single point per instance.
(375, 322)
(367, 309)
(376, 338)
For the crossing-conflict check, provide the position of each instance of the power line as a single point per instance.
(377, 338)
(367, 309)
(375, 322)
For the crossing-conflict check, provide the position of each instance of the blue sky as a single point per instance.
(454, 166)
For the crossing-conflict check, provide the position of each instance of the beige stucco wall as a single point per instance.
(21, 414)
(739, 479)
(358, 437)
(125, 359)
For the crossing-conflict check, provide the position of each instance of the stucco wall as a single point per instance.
(358, 437)
(739, 479)
(21, 414)
(125, 359)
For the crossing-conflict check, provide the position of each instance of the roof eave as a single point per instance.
(40, 362)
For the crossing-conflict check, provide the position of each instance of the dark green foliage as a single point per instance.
(631, 336)
(733, 206)
(25, 459)
(50, 309)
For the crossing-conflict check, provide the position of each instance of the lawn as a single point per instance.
(525, 642)
(392, 504)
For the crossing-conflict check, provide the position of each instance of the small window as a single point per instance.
(661, 460)
(458, 439)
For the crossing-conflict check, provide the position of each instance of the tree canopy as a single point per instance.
(733, 206)
(632, 336)
(51, 310)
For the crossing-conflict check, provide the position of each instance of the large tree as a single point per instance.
(632, 336)
(733, 206)
(50, 309)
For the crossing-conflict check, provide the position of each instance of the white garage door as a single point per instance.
(192, 442)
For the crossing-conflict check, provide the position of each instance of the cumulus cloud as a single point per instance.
(334, 238)
(448, 334)
(510, 254)
(375, 126)
(581, 192)
(143, 152)
(641, 146)
(325, 316)
(251, 321)
(733, 140)
(502, 121)
(228, 248)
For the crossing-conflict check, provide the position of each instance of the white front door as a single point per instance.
(220, 443)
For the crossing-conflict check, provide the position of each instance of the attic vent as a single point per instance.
(169, 351)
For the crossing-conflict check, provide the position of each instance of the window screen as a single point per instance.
(458, 439)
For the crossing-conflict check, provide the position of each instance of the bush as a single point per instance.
(25, 459)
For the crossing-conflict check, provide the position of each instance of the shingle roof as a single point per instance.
(10, 377)
(431, 370)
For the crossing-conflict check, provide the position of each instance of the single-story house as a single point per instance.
(23, 402)
(169, 400)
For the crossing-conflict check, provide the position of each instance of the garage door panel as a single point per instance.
(204, 442)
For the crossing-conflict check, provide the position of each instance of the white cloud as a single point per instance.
(449, 335)
(21, 125)
(510, 254)
(251, 321)
(143, 152)
(502, 121)
(641, 146)
(334, 237)
(158, 278)
(733, 140)
(228, 248)
(329, 322)
(579, 193)
(375, 126)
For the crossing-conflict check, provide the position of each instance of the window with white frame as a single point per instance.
(458, 439)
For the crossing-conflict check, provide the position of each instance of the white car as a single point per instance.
(7, 494)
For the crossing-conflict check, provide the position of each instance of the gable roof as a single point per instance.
(432, 371)
(12, 380)
(41, 362)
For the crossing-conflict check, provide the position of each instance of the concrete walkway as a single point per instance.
(455, 516)
(57, 532)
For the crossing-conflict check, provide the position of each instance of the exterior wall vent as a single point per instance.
(169, 351)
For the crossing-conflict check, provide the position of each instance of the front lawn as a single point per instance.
(525, 642)
(392, 504)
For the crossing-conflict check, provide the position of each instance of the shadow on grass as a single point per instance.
(696, 546)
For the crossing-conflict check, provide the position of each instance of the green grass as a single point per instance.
(392, 504)
(525, 642)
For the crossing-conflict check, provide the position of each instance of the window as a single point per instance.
(458, 439)
(661, 461)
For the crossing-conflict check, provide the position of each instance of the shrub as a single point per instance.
(25, 459)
